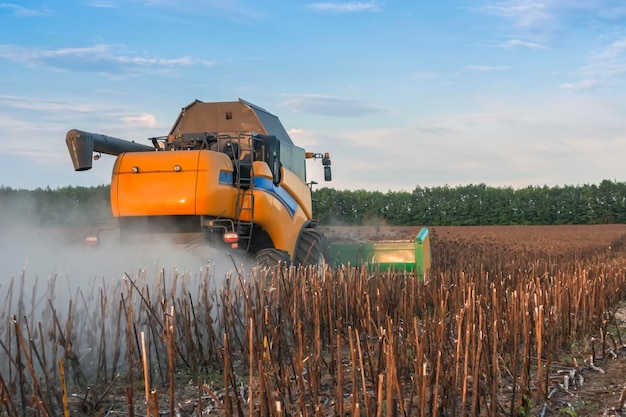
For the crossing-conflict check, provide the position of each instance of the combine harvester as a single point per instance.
(229, 172)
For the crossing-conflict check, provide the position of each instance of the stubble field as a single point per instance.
(511, 321)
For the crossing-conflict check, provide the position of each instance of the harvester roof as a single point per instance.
(228, 116)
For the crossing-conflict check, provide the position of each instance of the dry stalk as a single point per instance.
(622, 399)
(539, 341)
(170, 357)
(366, 397)
(154, 403)
(379, 398)
(66, 411)
(37, 393)
(146, 375)
(5, 395)
(340, 410)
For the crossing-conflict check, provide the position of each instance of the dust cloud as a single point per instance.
(45, 270)
(56, 263)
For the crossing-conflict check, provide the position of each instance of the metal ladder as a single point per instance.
(245, 196)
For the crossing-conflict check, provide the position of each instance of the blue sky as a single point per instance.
(401, 93)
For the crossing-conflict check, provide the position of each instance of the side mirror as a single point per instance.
(328, 176)
(327, 172)
(276, 171)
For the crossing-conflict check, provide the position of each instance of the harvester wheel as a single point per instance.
(312, 248)
(272, 257)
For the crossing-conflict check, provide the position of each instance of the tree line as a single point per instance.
(468, 205)
(66, 206)
(475, 205)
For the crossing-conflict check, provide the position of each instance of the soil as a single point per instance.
(596, 390)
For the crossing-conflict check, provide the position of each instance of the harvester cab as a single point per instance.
(227, 170)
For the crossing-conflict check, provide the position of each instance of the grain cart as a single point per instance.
(227, 170)
(385, 255)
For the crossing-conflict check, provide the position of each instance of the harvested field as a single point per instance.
(519, 320)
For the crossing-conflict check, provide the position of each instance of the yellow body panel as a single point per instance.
(159, 189)
(299, 190)
(280, 213)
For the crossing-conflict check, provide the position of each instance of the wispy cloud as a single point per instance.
(541, 14)
(606, 66)
(102, 4)
(425, 75)
(144, 120)
(55, 117)
(516, 43)
(306, 138)
(523, 12)
(582, 84)
(610, 11)
(21, 11)
(232, 9)
(350, 7)
(100, 58)
(486, 68)
(330, 106)
(38, 104)
(56, 107)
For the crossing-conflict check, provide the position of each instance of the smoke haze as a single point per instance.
(38, 255)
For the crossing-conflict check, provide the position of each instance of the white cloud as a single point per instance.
(42, 105)
(304, 138)
(610, 11)
(424, 75)
(143, 120)
(524, 13)
(99, 58)
(232, 9)
(485, 68)
(514, 43)
(582, 84)
(350, 7)
(547, 14)
(21, 11)
(56, 117)
(605, 67)
(330, 106)
(507, 142)
(102, 4)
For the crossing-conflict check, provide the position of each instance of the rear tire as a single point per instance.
(312, 248)
(272, 257)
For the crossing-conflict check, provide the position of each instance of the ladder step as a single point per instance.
(245, 202)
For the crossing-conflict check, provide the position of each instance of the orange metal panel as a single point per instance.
(170, 183)
(215, 196)
(156, 188)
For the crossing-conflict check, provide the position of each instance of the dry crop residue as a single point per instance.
(298, 354)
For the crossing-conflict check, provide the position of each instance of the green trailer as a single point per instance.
(397, 256)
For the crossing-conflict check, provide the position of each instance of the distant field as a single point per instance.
(538, 237)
